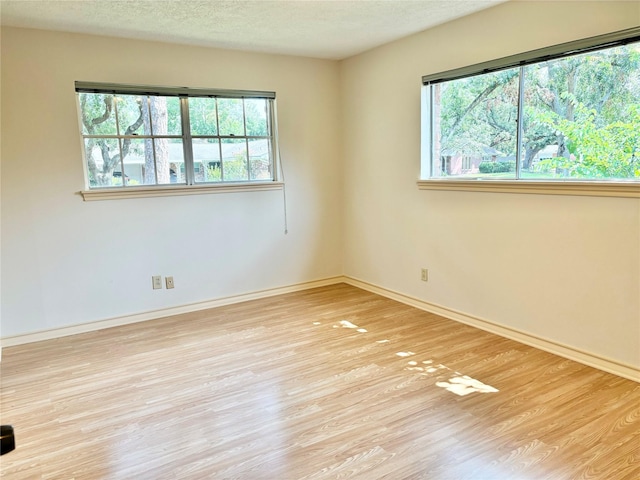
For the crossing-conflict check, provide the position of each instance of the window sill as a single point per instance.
(175, 190)
(590, 189)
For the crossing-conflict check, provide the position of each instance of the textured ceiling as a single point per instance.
(332, 29)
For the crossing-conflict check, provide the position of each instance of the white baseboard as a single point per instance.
(624, 370)
(165, 312)
(606, 364)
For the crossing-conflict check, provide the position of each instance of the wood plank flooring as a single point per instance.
(333, 382)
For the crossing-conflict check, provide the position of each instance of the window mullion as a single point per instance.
(122, 173)
(153, 143)
(246, 139)
(272, 131)
(520, 124)
(115, 108)
(432, 131)
(219, 143)
(187, 142)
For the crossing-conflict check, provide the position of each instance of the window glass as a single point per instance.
(202, 116)
(169, 153)
(103, 159)
(256, 114)
(234, 160)
(230, 116)
(174, 119)
(582, 116)
(98, 114)
(139, 164)
(580, 120)
(138, 140)
(475, 126)
(259, 154)
(133, 115)
(206, 158)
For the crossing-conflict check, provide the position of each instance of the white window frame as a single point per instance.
(607, 188)
(190, 187)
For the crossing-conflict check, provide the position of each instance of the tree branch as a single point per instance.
(131, 129)
(108, 107)
(483, 95)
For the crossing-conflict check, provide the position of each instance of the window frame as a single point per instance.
(588, 187)
(190, 185)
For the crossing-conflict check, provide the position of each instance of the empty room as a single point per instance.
(320, 239)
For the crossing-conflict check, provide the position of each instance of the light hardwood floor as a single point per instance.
(333, 382)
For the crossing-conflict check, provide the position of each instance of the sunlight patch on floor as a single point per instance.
(456, 382)
(465, 385)
(348, 324)
(405, 354)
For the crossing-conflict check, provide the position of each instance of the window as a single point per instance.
(564, 113)
(166, 137)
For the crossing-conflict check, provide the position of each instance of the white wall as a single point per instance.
(563, 268)
(66, 262)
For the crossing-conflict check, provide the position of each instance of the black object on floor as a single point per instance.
(8, 440)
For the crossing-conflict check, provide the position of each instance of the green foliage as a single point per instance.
(214, 174)
(206, 115)
(480, 112)
(98, 114)
(587, 107)
(497, 167)
(202, 116)
(234, 170)
(486, 167)
(598, 149)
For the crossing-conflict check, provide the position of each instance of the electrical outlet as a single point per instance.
(425, 275)
(156, 281)
(169, 281)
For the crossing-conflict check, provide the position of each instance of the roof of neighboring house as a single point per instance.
(202, 152)
(486, 150)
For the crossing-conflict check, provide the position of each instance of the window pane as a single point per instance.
(158, 111)
(259, 154)
(103, 158)
(139, 164)
(234, 159)
(169, 159)
(582, 116)
(133, 115)
(256, 115)
(98, 114)
(474, 122)
(176, 162)
(206, 160)
(152, 162)
(202, 116)
(230, 116)
(174, 119)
